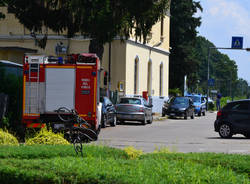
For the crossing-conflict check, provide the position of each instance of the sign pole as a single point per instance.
(208, 76)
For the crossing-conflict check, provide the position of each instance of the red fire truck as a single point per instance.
(51, 83)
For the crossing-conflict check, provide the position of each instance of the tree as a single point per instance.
(222, 68)
(101, 20)
(183, 33)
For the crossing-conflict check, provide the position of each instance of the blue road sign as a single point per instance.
(211, 82)
(237, 42)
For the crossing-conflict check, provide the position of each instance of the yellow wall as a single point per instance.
(156, 33)
(134, 51)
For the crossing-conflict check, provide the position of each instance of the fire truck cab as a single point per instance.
(50, 83)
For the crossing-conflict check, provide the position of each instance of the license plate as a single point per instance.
(172, 114)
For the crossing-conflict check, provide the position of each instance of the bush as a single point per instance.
(7, 139)
(211, 106)
(47, 137)
(175, 92)
(132, 152)
(225, 100)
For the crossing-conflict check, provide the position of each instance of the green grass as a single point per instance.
(100, 164)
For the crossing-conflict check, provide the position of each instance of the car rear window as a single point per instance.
(180, 100)
(244, 105)
(130, 101)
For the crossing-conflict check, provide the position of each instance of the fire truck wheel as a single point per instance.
(104, 121)
(113, 123)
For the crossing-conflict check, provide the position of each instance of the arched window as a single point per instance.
(136, 75)
(149, 79)
(161, 80)
(162, 26)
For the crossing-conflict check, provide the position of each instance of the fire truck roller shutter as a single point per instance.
(60, 88)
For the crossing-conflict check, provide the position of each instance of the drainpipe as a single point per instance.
(109, 74)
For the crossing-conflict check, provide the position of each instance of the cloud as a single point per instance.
(230, 12)
(222, 19)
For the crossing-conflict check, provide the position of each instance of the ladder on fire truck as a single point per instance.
(33, 105)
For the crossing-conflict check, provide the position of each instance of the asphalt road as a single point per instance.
(192, 135)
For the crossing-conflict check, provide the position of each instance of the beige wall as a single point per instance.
(14, 56)
(118, 69)
(143, 54)
(156, 33)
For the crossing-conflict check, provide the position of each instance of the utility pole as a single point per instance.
(208, 76)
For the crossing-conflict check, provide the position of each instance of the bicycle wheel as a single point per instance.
(78, 145)
(61, 114)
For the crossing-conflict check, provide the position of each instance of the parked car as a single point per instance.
(233, 118)
(108, 112)
(134, 109)
(178, 107)
(199, 104)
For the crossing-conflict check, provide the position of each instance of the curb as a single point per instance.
(159, 118)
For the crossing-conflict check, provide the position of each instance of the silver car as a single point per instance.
(134, 109)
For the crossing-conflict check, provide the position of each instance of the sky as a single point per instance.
(222, 19)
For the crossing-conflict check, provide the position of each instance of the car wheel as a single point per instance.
(185, 116)
(144, 122)
(104, 121)
(225, 130)
(113, 123)
(98, 130)
(151, 120)
(199, 113)
(121, 121)
(203, 113)
(247, 135)
(163, 114)
(192, 116)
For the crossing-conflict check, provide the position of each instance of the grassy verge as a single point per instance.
(59, 164)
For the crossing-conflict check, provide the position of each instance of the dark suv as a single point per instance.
(179, 107)
(233, 118)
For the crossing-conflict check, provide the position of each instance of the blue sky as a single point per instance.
(222, 19)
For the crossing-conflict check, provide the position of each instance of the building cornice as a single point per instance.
(49, 37)
(151, 48)
(82, 38)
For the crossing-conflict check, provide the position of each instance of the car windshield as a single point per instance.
(195, 98)
(180, 100)
(130, 101)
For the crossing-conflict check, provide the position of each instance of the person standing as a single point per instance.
(218, 101)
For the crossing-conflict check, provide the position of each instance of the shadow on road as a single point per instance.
(233, 138)
(132, 123)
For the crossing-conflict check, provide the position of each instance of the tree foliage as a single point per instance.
(222, 69)
(101, 20)
(183, 33)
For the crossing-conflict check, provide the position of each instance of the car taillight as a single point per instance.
(219, 113)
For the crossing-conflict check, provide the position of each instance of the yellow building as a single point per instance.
(134, 67)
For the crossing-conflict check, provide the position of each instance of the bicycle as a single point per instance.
(77, 130)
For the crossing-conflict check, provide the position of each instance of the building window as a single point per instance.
(161, 80)
(136, 69)
(149, 81)
(162, 26)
